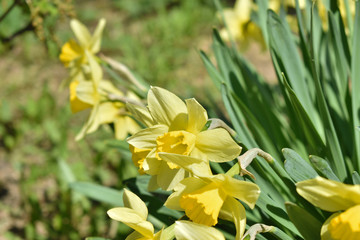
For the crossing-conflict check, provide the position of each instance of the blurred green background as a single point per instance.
(159, 40)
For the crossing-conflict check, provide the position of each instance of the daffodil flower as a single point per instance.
(94, 94)
(86, 43)
(237, 19)
(134, 214)
(186, 230)
(207, 197)
(332, 196)
(177, 127)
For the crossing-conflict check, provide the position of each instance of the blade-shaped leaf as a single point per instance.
(297, 167)
(323, 167)
(308, 225)
(99, 193)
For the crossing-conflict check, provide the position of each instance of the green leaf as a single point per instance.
(308, 225)
(356, 177)
(275, 211)
(283, 48)
(355, 82)
(323, 167)
(310, 131)
(298, 168)
(211, 69)
(332, 141)
(99, 193)
(66, 171)
(96, 238)
(122, 146)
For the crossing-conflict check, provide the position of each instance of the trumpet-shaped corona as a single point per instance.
(203, 205)
(334, 197)
(346, 225)
(178, 142)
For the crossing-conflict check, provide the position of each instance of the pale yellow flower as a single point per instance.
(75, 51)
(94, 94)
(336, 197)
(237, 19)
(177, 127)
(207, 197)
(186, 230)
(134, 214)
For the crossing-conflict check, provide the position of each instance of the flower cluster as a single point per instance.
(88, 88)
(175, 148)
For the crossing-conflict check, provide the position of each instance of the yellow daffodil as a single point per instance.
(332, 196)
(75, 51)
(94, 94)
(177, 127)
(134, 214)
(207, 197)
(237, 19)
(186, 230)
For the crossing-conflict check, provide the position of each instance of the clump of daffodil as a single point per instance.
(176, 127)
(134, 214)
(332, 196)
(95, 94)
(206, 197)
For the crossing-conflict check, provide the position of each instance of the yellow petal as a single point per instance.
(197, 116)
(168, 178)
(141, 114)
(146, 138)
(96, 71)
(132, 219)
(152, 186)
(186, 186)
(203, 205)
(107, 113)
(70, 51)
(329, 195)
(186, 230)
(135, 236)
(165, 106)
(346, 226)
(75, 103)
(95, 42)
(90, 126)
(217, 145)
(85, 92)
(243, 9)
(151, 164)
(247, 192)
(236, 210)
(198, 167)
(106, 87)
(81, 33)
(132, 201)
(125, 125)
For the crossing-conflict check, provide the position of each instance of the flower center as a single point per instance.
(178, 142)
(346, 226)
(203, 206)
